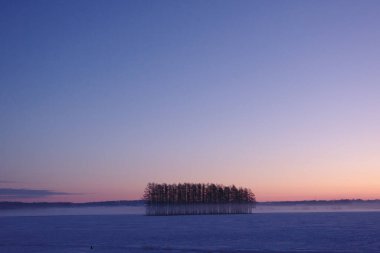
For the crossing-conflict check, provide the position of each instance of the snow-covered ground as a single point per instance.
(309, 232)
(140, 209)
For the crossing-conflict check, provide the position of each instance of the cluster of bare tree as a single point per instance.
(190, 198)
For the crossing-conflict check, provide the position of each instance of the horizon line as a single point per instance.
(141, 200)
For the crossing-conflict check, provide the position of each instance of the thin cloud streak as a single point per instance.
(11, 193)
(7, 182)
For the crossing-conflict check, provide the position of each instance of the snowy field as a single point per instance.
(308, 232)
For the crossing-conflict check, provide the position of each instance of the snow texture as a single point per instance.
(311, 232)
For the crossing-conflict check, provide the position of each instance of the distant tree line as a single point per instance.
(192, 198)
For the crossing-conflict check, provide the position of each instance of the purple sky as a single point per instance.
(99, 98)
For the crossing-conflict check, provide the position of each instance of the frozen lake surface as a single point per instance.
(309, 232)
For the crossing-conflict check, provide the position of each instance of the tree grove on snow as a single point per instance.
(192, 198)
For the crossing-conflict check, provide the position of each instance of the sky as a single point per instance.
(98, 98)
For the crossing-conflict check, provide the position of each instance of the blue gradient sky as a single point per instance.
(98, 98)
